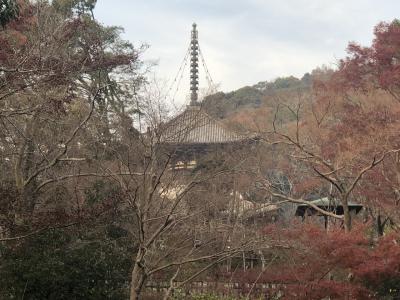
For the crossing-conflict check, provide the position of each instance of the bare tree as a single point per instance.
(54, 85)
(176, 219)
(304, 139)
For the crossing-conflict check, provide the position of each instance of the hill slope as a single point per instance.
(261, 95)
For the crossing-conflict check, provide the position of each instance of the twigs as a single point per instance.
(65, 145)
(36, 232)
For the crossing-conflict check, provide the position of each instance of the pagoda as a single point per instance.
(194, 132)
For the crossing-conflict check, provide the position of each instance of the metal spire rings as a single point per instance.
(194, 64)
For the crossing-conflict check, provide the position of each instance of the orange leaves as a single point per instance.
(252, 119)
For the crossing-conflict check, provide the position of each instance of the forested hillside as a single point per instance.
(223, 105)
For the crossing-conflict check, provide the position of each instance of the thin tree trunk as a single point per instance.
(138, 276)
(244, 261)
(262, 260)
(171, 284)
(346, 215)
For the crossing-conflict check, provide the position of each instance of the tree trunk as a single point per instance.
(346, 215)
(262, 260)
(380, 225)
(24, 166)
(138, 276)
(171, 284)
(244, 260)
(26, 192)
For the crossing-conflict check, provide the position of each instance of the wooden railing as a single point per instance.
(156, 289)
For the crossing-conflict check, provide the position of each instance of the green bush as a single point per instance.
(58, 265)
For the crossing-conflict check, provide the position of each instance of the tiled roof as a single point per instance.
(328, 205)
(195, 126)
(327, 202)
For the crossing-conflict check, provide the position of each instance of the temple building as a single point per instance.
(194, 133)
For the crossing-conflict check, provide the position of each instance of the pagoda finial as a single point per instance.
(194, 64)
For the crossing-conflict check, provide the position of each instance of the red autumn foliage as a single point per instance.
(311, 263)
(376, 66)
(383, 262)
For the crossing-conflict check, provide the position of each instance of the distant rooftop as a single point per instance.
(195, 126)
(328, 205)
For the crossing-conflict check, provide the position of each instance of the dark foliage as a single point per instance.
(67, 265)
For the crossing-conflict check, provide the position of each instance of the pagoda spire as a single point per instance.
(194, 64)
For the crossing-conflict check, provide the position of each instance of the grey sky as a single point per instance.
(247, 41)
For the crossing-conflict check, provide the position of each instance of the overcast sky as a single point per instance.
(247, 41)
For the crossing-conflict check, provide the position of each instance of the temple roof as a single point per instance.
(195, 126)
(328, 205)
